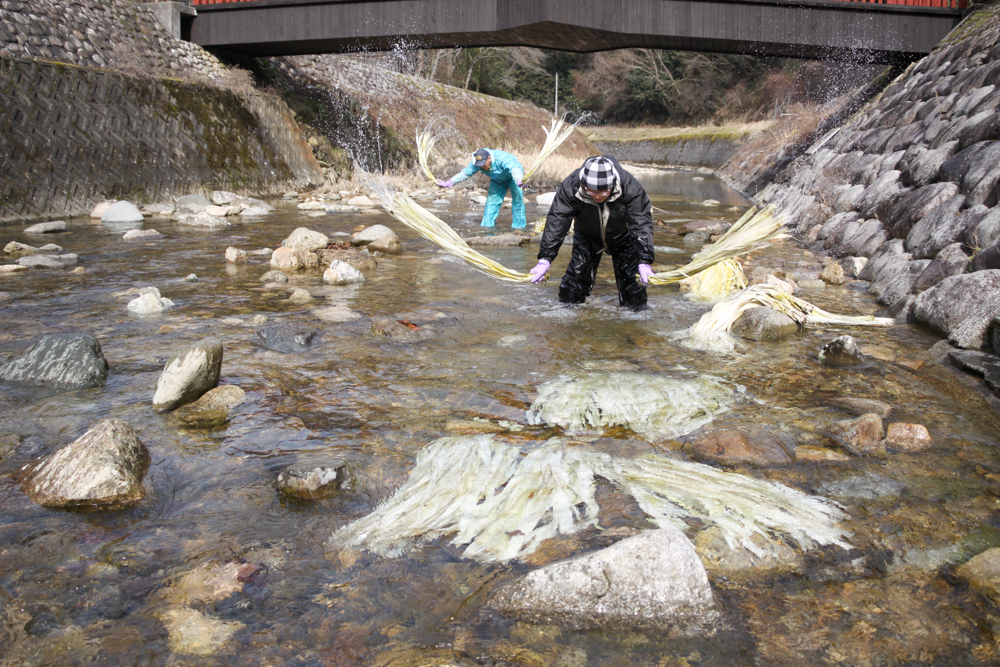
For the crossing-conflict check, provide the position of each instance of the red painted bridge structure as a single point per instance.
(886, 31)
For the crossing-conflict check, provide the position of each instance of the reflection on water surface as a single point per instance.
(102, 587)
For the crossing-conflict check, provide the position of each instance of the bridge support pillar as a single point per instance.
(175, 17)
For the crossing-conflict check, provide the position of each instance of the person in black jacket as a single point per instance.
(612, 212)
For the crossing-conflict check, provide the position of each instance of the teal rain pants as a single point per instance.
(494, 200)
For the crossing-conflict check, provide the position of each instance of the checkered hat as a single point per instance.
(598, 174)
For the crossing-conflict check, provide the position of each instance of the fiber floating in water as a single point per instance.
(501, 506)
(716, 282)
(656, 408)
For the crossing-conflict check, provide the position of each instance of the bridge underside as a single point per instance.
(821, 30)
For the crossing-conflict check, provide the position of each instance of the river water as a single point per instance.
(94, 587)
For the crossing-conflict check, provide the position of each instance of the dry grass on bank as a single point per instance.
(764, 148)
(735, 130)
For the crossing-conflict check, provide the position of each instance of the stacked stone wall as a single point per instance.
(912, 181)
(695, 152)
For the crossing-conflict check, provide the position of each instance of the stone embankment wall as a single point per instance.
(912, 182)
(686, 147)
(73, 132)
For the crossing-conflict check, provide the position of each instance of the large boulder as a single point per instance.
(982, 175)
(53, 227)
(841, 352)
(904, 282)
(939, 228)
(951, 261)
(861, 436)
(192, 204)
(61, 361)
(885, 253)
(653, 580)
(122, 212)
(916, 205)
(189, 374)
(103, 467)
(293, 259)
(971, 296)
(340, 273)
(986, 232)
(306, 239)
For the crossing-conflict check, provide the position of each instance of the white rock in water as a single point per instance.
(312, 205)
(300, 296)
(369, 234)
(260, 251)
(653, 580)
(544, 199)
(478, 200)
(441, 202)
(335, 314)
(710, 202)
(219, 211)
(12, 268)
(122, 211)
(293, 259)
(340, 208)
(101, 207)
(235, 256)
(48, 227)
(191, 278)
(141, 234)
(103, 467)
(162, 210)
(50, 248)
(44, 262)
(149, 304)
(341, 273)
(307, 239)
(189, 374)
(190, 632)
(201, 219)
(360, 201)
(254, 211)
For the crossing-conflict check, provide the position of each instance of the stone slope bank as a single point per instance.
(912, 181)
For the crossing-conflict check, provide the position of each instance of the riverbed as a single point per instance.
(92, 587)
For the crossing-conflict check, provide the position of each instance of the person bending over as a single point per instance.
(613, 214)
(505, 173)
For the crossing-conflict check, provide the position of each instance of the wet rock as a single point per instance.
(762, 323)
(388, 244)
(978, 363)
(861, 406)
(47, 261)
(102, 468)
(652, 580)
(697, 239)
(340, 273)
(255, 211)
(190, 632)
(312, 205)
(235, 256)
(386, 326)
(841, 352)
(735, 448)
(189, 374)
(293, 259)
(274, 277)
(12, 268)
(306, 239)
(721, 558)
(16, 249)
(907, 437)
(832, 274)
(500, 240)
(861, 436)
(201, 219)
(707, 226)
(192, 203)
(61, 361)
(150, 303)
(336, 314)
(212, 409)
(159, 210)
(983, 573)
(53, 227)
(312, 481)
(886, 253)
(300, 296)
(814, 453)
(359, 259)
(122, 212)
(133, 234)
(962, 306)
(191, 278)
(287, 338)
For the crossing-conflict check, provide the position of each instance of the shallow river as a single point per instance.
(91, 588)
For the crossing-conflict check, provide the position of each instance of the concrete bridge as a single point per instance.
(820, 29)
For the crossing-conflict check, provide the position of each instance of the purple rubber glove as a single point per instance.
(519, 184)
(446, 184)
(540, 270)
(645, 273)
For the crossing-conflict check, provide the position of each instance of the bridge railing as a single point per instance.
(942, 4)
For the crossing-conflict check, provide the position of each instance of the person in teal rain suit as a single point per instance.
(505, 173)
